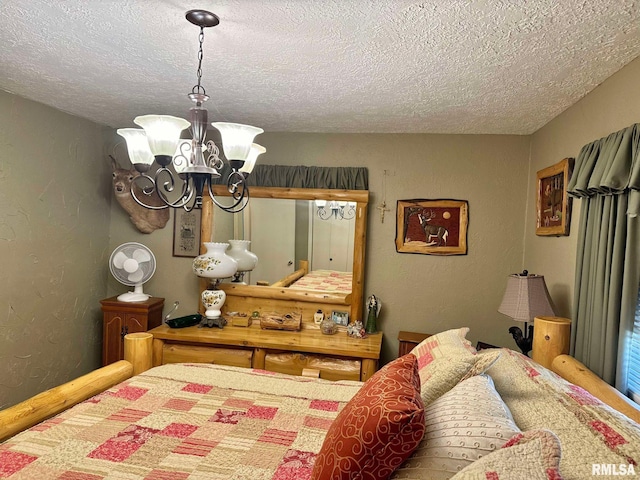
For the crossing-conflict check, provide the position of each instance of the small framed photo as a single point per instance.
(340, 318)
(186, 232)
(553, 205)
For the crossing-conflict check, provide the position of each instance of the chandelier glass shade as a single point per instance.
(185, 169)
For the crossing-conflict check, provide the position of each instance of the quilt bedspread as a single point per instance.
(590, 432)
(185, 421)
(325, 281)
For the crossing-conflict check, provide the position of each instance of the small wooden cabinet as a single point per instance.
(120, 318)
(408, 340)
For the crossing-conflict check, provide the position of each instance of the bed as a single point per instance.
(325, 281)
(202, 421)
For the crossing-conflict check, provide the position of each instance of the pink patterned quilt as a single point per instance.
(325, 281)
(194, 421)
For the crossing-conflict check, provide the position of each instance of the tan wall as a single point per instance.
(54, 230)
(613, 105)
(419, 292)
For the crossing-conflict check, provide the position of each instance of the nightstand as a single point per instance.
(120, 318)
(408, 340)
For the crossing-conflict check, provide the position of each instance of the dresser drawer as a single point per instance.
(330, 368)
(178, 353)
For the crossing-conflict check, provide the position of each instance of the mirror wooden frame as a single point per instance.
(252, 297)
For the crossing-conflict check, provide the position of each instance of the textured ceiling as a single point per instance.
(439, 66)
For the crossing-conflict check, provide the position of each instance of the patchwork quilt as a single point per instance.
(325, 281)
(195, 421)
(592, 435)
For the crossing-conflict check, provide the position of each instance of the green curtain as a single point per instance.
(607, 179)
(343, 178)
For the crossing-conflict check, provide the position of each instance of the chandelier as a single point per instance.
(336, 210)
(159, 140)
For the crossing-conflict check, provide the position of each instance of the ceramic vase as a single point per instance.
(213, 301)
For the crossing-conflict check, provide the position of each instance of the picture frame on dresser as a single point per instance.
(340, 318)
(553, 203)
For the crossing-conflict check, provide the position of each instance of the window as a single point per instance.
(634, 357)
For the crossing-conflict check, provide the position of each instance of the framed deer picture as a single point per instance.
(553, 204)
(432, 227)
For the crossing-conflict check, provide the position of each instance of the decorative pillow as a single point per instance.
(445, 359)
(378, 429)
(465, 424)
(533, 455)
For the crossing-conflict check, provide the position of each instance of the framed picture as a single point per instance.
(186, 232)
(432, 227)
(340, 318)
(553, 204)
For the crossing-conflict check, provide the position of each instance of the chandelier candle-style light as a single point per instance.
(337, 210)
(159, 140)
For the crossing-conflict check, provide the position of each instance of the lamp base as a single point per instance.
(213, 300)
(523, 342)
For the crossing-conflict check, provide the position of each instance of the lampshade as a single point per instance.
(239, 251)
(236, 139)
(163, 132)
(215, 263)
(525, 298)
(250, 162)
(137, 145)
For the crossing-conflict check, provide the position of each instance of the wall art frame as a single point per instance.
(553, 203)
(186, 232)
(432, 227)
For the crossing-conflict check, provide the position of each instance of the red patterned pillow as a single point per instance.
(378, 429)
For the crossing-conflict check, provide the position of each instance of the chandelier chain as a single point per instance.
(198, 88)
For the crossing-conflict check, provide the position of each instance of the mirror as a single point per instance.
(291, 239)
(284, 232)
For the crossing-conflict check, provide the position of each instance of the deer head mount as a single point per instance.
(145, 220)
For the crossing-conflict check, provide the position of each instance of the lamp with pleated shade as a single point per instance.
(525, 298)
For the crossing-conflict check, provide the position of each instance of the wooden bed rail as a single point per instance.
(575, 372)
(51, 402)
(138, 358)
(298, 274)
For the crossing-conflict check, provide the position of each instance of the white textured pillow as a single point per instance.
(463, 425)
(447, 358)
(533, 455)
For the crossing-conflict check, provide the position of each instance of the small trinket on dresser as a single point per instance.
(328, 326)
(318, 317)
(356, 330)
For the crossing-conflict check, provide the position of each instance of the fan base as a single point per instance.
(133, 297)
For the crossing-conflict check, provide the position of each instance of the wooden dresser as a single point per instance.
(336, 357)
